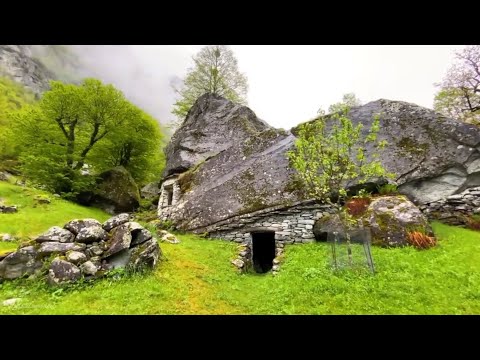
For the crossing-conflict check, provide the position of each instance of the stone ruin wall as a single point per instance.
(454, 209)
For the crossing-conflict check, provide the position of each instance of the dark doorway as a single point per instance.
(263, 249)
(169, 198)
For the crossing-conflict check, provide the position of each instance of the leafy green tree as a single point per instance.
(215, 71)
(349, 100)
(459, 94)
(330, 154)
(12, 97)
(74, 130)
(136, 146)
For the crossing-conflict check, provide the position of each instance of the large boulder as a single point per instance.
(389, 219)
(116, 191)
(20, 263)
(228, 162)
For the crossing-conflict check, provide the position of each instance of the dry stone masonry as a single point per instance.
(454, 209)
(83, 248)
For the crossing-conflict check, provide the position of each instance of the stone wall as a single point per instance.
(169, 185)
(454, 209)
(293, 224)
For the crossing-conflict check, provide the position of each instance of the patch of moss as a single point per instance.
(187, 179)
(409, 146)
(261, 140)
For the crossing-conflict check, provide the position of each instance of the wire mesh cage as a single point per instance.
(351, 249)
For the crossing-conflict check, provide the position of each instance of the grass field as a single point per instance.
(32, 219)
(196, 277)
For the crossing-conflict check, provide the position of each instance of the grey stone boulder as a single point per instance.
(76, 225)
(390, 218)
(326, 225)
(116, 191)
(4, 176)
(62, 271)
(7, 238)
(120, 240)
(91, 234)
(76, 257)
(89, 268)
(151, 191)
(116, 221)
(48, 248)
(8, 209)
(95, 250)
(56, 234)
(20, 263)
(144, 256)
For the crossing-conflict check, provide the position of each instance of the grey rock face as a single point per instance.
(91, 234)
(116, 221)
(20, 263)
(17, 63)
(56, 234)
(62, 271)
(76, 225)
(232, 163)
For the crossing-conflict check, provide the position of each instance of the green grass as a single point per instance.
(197, 278)
(33, 219)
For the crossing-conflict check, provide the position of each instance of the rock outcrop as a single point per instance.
(84, 248)
(17, 62)
(224, 161)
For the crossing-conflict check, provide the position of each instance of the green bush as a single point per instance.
(387, 189)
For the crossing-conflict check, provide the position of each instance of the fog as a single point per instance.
(287, 84)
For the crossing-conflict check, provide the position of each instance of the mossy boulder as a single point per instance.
(117, 191)
(389, 219)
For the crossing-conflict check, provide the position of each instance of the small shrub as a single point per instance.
(357, 206)
(473, 222)
(387, 189)
(167, 225)
(420, 240)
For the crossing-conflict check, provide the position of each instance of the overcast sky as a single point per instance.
(287, 84)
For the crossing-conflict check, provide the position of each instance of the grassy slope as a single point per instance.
(196, 278)
(31, 219)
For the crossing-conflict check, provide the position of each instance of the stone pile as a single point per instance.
(83, 248)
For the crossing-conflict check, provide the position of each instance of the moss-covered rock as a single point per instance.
(117, 191)
(389, 218)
